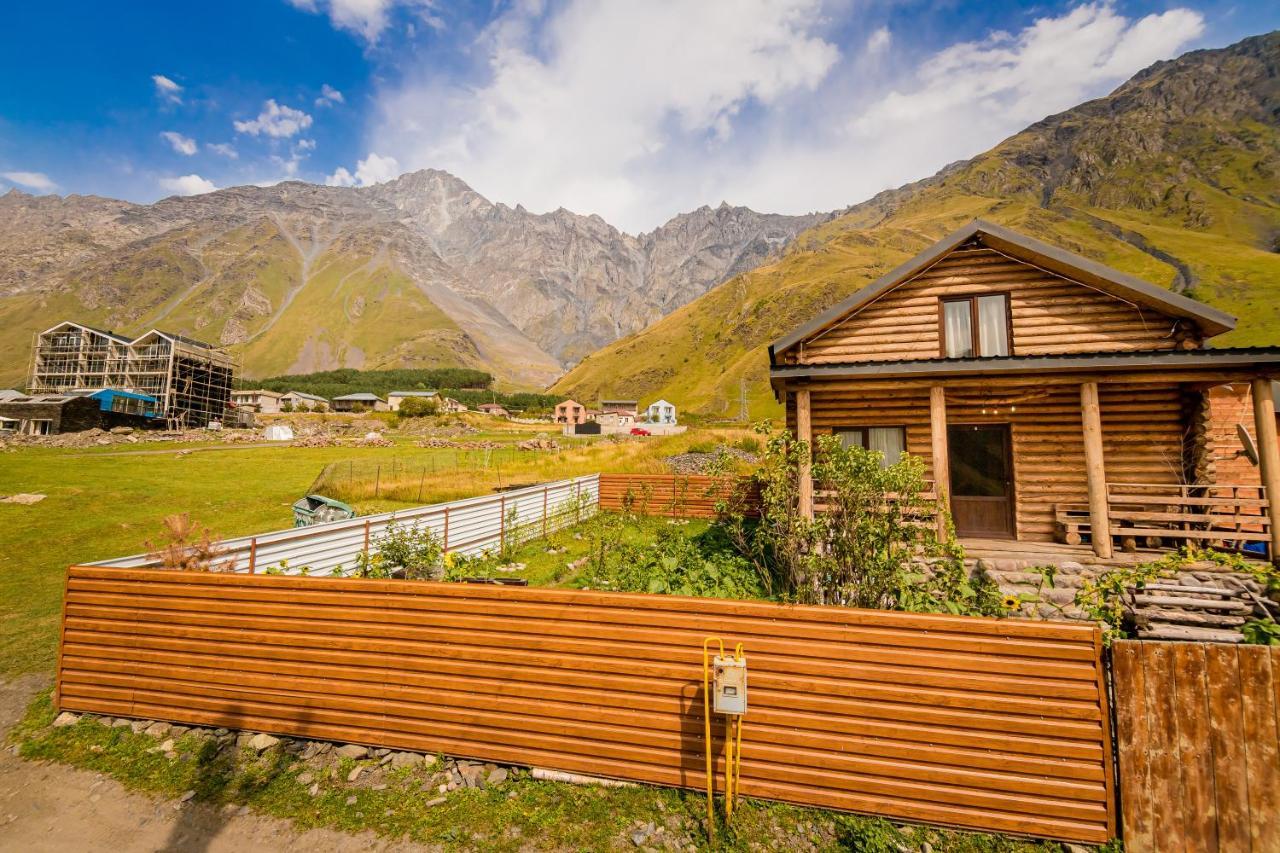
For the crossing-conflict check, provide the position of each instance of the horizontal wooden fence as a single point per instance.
(1197, 728)
(675, 495)
(985, 724)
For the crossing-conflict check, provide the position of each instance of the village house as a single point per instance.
(302, 402)
(661, 412)
(1048, 395)
(396, 398)
(570, 412)
(493, 409)
(362, 401)
(621, 407)
(261, 401)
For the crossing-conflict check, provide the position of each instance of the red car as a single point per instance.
(640, 431)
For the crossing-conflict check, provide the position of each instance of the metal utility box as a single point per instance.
(729, 685)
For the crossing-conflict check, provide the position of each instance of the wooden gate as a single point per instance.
(984, 724)
(1196, 730)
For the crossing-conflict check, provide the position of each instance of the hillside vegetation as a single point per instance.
(1174, 177)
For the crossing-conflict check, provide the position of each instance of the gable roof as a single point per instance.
(360, 397)
(406, 394)
(1028, 249)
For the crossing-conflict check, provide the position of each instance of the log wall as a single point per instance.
(1143, 433)
(998, 725)
(1197, 744)
(1050, 314)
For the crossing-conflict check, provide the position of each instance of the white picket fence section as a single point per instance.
(470, 526)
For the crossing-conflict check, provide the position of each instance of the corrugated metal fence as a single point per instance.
(467, 526)
(986, 724)
(1198, 736)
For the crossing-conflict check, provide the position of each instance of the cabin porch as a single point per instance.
(1039, 460)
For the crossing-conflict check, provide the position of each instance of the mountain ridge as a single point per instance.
(420, 270)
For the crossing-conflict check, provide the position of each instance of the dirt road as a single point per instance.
(51, 807)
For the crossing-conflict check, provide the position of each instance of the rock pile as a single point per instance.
(695, 462)
(540, 442)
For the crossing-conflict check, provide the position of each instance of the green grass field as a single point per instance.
(110, 501)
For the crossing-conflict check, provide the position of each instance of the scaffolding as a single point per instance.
(190, 379)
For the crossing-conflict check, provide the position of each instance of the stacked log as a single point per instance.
(1173, 611)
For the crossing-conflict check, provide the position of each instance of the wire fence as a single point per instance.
(408, 479)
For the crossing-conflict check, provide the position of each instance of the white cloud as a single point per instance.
(879, 41)
(223, 149)
(275, 120)
(297, 153)
(374, 169)
(638, 111)
(182, 144)
(166, 89)
(329, 96)
(38, 181)
(367, 18)
(591, 107)
(187, 185)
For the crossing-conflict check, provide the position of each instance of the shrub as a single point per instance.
(190, 547)
(417, 407)
(404, 551)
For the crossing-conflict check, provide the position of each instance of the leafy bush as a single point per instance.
(417, 407)
(873, 545)
(402, 551)
(674, 564)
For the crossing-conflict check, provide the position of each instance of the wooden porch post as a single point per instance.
(804, 432)
(1264, 422)
(1099, 518)
(941, 455)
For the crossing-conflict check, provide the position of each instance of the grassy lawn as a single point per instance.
(109, 502)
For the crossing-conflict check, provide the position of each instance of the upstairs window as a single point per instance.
(975, 326)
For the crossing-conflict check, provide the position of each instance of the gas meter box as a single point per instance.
(729, 685)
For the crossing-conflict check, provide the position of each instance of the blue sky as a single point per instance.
(634, 111)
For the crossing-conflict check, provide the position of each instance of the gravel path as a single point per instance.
(53, 807)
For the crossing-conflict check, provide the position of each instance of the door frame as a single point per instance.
(1007, 428)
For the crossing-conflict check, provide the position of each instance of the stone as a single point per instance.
(261, 742)
(354, 774)
(473, 776)
(314, 790)
(187, 796)
(167, 746)
(158, 729)
(351, 750)
(497, 776)
(405, 759)
(119, 723)
(351, 801)
(66, 718)
(305, 778)
(178, 731)
(437, 801)
(378, 787)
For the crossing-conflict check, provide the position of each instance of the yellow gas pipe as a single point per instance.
(732, 739)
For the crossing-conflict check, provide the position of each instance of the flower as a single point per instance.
(1011, 602)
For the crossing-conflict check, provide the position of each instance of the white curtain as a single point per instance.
(889, 441)
(993, 325)
(959, 329)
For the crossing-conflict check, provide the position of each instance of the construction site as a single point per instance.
(189, 379)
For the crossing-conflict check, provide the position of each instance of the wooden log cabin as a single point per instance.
(1050, 396)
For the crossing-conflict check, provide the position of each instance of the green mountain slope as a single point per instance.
(1174, 177)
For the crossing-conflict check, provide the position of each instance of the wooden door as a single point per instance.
(981, 479)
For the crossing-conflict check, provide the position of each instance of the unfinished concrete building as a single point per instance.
(190, 379)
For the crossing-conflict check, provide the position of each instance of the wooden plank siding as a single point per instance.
(676, 495)
(1143, 432)
(1049, 314)
(985, 724)
(1197, 727)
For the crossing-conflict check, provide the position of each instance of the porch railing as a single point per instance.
(1150, 514)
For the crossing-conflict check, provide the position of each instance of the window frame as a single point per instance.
(974, 335)
(866, 436)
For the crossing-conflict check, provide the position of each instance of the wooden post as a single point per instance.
(1264, 422)
(1095, 470)
(941, 455)
(804, 432)
(253, 554)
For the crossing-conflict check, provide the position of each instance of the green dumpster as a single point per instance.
(317, 509)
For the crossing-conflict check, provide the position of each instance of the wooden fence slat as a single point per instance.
(1194, 757)
(983, 724)
(1227, 739)
(1262, 753)
(1132, 736)
(1166, 788)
